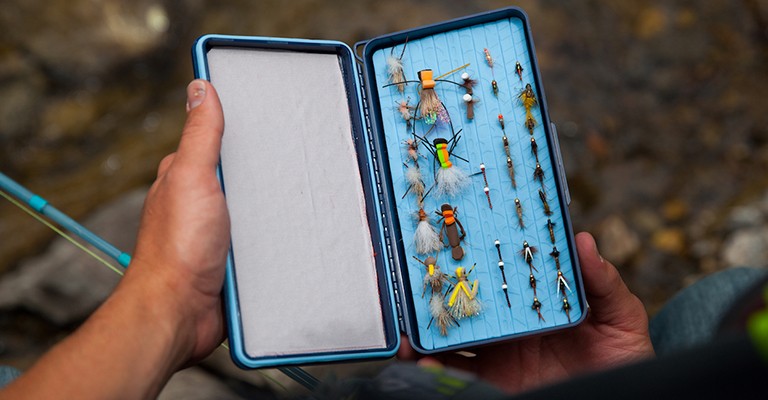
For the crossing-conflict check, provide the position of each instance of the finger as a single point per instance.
(406, 351)
(429, 362)
(201, 139)
(165, 163)
(609, 298)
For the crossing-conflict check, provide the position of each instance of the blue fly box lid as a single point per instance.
(307, 280)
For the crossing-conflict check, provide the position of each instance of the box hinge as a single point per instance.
(380, 191)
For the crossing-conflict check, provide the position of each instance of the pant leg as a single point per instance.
(692, 316)
(8, 374)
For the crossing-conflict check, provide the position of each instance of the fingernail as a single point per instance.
(195, 94)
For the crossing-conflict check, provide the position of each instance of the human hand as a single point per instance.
(615, 332)
(166, 312)
(184, 234)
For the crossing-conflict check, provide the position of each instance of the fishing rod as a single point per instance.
(43, 207)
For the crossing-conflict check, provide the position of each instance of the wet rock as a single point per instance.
(617, 242)
(646, 220)
(745, 217)
(704, 248)
(651, 22)
(80, 38)
(763, 203)
(65, 285)
(669, 240)
(675, 209)
(746, 247)
(69, 117)
(21, 94)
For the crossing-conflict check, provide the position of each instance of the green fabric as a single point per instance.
(757, 326)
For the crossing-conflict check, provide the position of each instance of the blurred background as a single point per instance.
(661, 109)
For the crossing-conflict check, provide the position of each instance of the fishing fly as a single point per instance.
(511, 170)
(430, 104)
(567, 308)
(538, 174)
(529, 123)
(556, 255)
(489, 60)
(449, 179)
(440, 314)
(434, 278)
(395, 68)
(488, 57)
(510, 164)
(544, 203)
(413, 176)
(470, 102)
(412, 147)
(501, 121)
(551, 229)
(537, 307)
(519, 209)
(485, 188)
(414, 180)
(426, 239)
(562, 283)
(503, 276)
(527, 252)
(406, 111)
(519, 70)
(468, 83)
(429, 107)
(453, 229)
(505, 142)
(528, 98)
(535, 149)
(463, 300)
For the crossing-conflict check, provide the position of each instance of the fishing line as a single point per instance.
(452, 71)
(61, 233)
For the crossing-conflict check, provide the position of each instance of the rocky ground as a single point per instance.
(660, 108)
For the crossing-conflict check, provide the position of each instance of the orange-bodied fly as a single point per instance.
(453, 230)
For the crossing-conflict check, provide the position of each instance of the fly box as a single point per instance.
(417, 188)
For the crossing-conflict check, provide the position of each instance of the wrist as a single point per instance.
(156, 293)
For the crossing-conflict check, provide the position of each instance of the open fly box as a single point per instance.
(417, 188)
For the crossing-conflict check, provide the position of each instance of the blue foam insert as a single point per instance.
(481, 143)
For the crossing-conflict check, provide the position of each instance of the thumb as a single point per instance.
(609, 299)
(201, 139)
